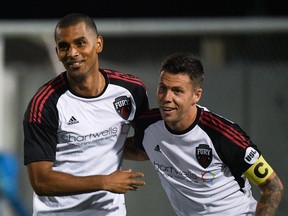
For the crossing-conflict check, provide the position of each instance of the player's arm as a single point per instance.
(47, 182)
(270, 185)
(131, 152)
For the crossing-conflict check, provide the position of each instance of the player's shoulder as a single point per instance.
(55, 86)
(118, 77)
(211, 116)
(149, 116)
(151, 113)
(54, 83)
(45, 99)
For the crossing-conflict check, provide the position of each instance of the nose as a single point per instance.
(73, 51)
(167, 96)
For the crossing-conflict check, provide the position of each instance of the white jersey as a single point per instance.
(82, 136)
(201, 169)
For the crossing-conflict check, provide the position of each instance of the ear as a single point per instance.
(197, 95)
(99, 44)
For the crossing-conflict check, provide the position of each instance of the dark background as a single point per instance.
(142, 9)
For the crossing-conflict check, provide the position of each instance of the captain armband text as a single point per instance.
(259, 172)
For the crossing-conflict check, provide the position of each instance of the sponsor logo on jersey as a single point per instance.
(72, 120)
(204, 155)
(123, 106)
(169, 171)
(157, 148)
(125, 128)
(251, 155)
(207, 177)
(89, 138)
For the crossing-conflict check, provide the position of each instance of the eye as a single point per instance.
(63, 47)
(178, 91)
(162, 88)
(80, 43)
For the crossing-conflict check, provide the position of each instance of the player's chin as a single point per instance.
(167, 116)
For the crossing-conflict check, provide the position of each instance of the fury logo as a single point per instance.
(123, 106)
(204, 155)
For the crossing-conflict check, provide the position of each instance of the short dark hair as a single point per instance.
(184, 63)
(73, 19)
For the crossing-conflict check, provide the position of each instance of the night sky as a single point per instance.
(125, 9)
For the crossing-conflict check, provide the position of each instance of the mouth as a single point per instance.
(74, 64)
(167, 110)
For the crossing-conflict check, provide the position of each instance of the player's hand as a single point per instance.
(122, 181)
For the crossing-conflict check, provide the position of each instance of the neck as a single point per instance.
(91, 86)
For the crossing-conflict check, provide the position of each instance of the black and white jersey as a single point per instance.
(82, 136)
(201, 169)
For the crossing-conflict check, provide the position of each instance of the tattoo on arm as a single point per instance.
(271, 194)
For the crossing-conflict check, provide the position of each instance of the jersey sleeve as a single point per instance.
(40, 125)
(39, 142)
(140, 96)
(238, 152)
(142, 123)
(232, 144)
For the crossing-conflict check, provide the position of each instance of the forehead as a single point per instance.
(170, 79)
(73, 32)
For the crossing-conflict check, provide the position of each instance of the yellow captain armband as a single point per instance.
(259, 171)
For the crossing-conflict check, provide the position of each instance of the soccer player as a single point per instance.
(75, 127)
(205, 162)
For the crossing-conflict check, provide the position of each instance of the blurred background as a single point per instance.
(242, 44)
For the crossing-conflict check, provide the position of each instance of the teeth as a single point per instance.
(167, 109)
(75, 64)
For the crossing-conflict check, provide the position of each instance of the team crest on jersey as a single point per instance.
(204, 155)
(123, 106)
